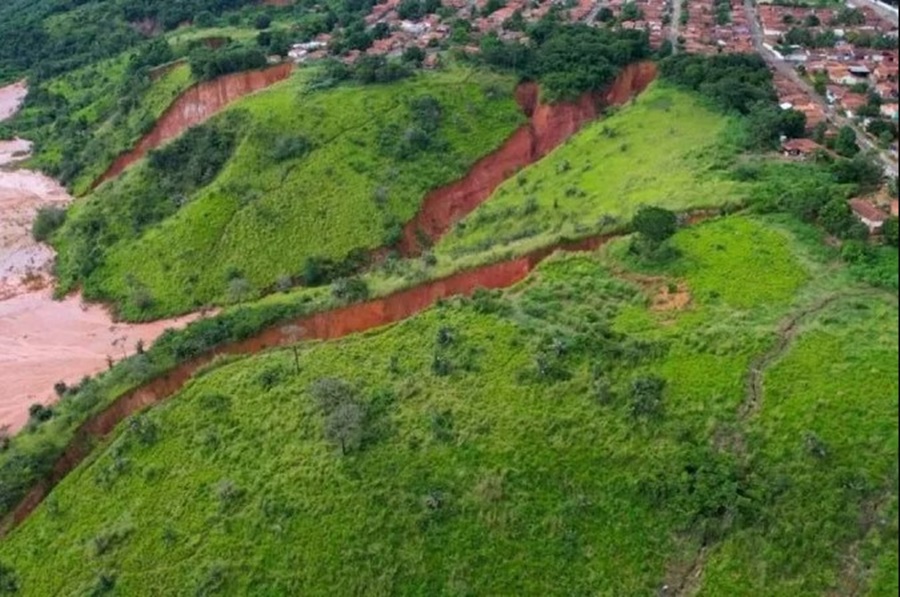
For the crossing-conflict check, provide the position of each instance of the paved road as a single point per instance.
(592, 16)
(674, 24)
(890, 167)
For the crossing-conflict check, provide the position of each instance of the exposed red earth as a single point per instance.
(194, 106)
(326, 325)
(549, 125)
(43, 341)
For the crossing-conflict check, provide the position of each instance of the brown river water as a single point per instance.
(43, 341)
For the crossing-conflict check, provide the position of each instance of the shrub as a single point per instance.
(239, 289)
(345, 415)
(49, 219)
(9, 580)
(350, 289)
(290, 147)
(655, 224)
(40, 413)
(646, 396)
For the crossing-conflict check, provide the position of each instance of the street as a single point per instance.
(838, 120)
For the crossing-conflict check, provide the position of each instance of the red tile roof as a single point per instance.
(867, 210)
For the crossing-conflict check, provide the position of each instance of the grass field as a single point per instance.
(663, 149)
(313, 174)
(511, 445)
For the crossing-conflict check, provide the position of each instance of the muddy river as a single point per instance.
(42, 340)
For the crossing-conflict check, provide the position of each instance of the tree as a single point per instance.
(631, 12)
(293, 334)
(413, 55)
(605, 15)
(344, 414)
(845, 143)
(793, 123)
(344, 426)
(49, 219)
(811, 20)
(891, 230)
(492, 6)
(9, 581)
(765, 125)
(837, 218)
(654, 224)
(516, 22)
(263, 21)
(381, 30)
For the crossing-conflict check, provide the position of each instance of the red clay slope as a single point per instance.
(194, 106)
(549, 125)
(326, 325)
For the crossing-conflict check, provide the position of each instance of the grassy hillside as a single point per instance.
(306, 174)
(572, 435)
(662, 150)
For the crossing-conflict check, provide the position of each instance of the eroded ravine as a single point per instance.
(549, 125)
(326, 325)
(194, 106)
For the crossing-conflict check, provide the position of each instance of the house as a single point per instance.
(886, 90)
(868, 214)
(801, 148)
(895, 208)
(852, 102)
(889, 110)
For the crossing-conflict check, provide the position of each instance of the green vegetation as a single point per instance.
(312, 174)
(81, 121)
(570, 425)
(567, 59)
(45, 38)
(662, 150)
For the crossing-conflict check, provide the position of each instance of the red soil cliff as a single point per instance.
(196, 105)
(326, 325)
(549, 126)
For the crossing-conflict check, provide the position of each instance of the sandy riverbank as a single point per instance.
(43, 341)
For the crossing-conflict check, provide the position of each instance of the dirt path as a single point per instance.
(688, 582)
(787, 332)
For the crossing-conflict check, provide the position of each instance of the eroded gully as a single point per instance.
(548, 127)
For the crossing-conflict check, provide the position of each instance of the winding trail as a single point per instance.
(689, 582)
(787, 332)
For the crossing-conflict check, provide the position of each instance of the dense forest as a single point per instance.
(47, 37)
